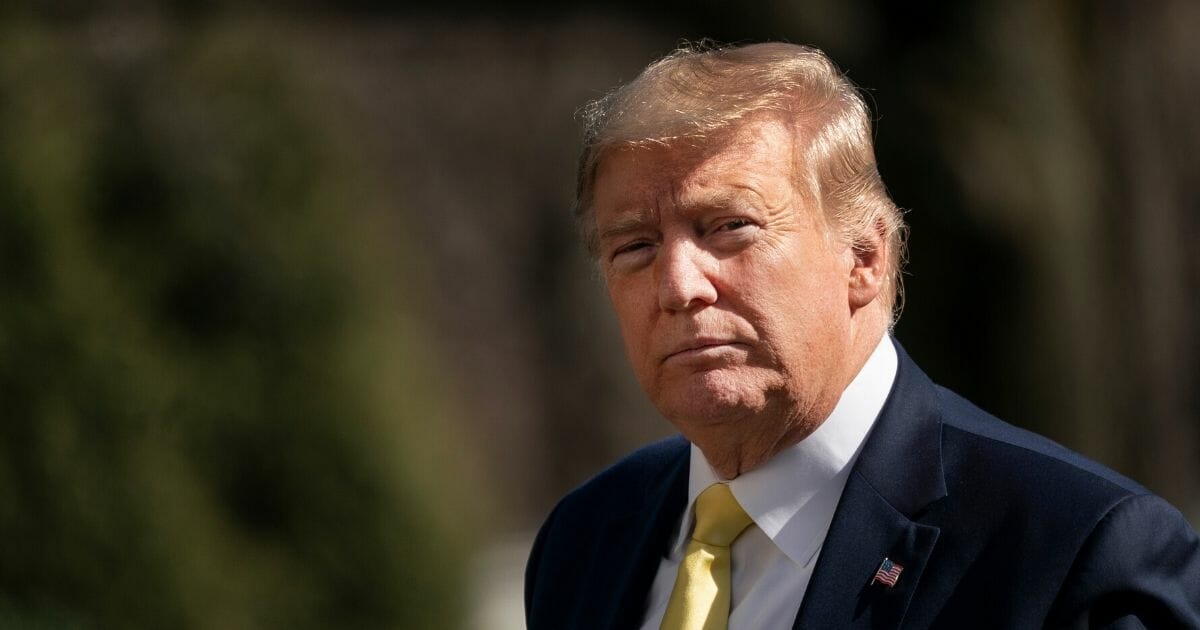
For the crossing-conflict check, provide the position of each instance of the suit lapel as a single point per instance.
(645, 534)
(897, 475)
(865, 530)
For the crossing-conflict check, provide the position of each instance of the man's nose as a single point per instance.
(684, 276)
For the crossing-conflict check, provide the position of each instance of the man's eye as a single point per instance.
(733, 224)
(631, 248)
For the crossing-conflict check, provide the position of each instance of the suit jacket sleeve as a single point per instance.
(1140, 568)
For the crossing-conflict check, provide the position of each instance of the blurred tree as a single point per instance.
(216, 412)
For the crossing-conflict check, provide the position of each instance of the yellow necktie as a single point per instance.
(700, 600)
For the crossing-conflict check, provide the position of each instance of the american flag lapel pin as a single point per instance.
(887, 573)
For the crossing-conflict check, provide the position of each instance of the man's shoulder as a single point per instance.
(980, 434)
(573, 574)
(628, 483)
(991, 469)
(1027, 519)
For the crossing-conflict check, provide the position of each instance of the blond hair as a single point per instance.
(697, 92)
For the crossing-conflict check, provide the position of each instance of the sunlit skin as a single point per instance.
(743, 316)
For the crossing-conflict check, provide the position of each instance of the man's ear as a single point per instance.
(869, 273)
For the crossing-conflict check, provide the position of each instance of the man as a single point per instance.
(752, 256)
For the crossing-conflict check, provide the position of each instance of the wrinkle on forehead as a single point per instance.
(736, 169)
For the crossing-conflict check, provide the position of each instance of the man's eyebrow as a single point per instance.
(737, 197)
(630, 222)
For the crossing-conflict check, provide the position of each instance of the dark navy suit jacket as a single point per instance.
(995, 527)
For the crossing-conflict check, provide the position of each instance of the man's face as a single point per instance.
(731, 294)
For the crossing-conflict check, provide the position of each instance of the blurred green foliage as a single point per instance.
(212, 416)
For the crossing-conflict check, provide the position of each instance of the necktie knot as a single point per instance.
(720, 519)
(701, 599)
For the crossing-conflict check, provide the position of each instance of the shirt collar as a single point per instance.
(793, 495)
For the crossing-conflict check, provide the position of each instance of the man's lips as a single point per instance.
(700, 347)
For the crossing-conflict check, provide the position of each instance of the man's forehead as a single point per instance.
(634, 182)
(636, 196)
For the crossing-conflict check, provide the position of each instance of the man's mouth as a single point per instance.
(698, 348)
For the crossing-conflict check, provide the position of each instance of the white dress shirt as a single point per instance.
(791, 498)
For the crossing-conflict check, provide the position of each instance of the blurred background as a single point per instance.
(295, 333)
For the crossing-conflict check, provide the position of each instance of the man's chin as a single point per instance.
(708, 403)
